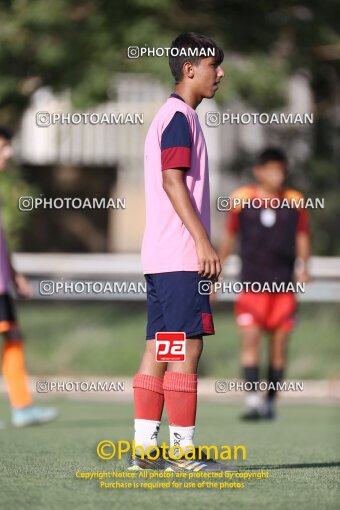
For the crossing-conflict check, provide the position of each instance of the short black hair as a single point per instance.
(192, 40)
(271, 154)
(5, 133)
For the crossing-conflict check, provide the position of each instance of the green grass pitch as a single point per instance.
(108, 338)
(38, 465)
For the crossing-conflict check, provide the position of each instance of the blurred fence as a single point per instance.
(71, 277)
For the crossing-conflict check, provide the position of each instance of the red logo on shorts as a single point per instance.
(170, 346)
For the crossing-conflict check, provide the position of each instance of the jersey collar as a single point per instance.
(176, 96)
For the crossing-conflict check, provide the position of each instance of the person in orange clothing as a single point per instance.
(274, 248)
(13, 363)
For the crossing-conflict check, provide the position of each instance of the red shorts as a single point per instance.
(268, 310)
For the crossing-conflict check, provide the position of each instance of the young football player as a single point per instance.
(274, 243)
(13, 363)
(177, 252)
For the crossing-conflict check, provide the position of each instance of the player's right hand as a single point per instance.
(210, 266)
(22, 286)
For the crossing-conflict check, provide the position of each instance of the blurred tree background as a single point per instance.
(80, 44)
(13, 186)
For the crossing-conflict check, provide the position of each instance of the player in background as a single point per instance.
(13, 363)
(177, 252)
(274, 244)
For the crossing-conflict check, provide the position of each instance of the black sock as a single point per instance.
(274, 376)
(251, 375)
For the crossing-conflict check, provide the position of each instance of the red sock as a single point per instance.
(180, 395)
(148, 397)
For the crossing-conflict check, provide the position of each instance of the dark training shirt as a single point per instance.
(267, 234)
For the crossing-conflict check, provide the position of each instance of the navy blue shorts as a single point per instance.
(175, 304)
(7, 309)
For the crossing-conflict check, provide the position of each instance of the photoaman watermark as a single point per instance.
(107, 450)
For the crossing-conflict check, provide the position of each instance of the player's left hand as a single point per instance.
(22, 286)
